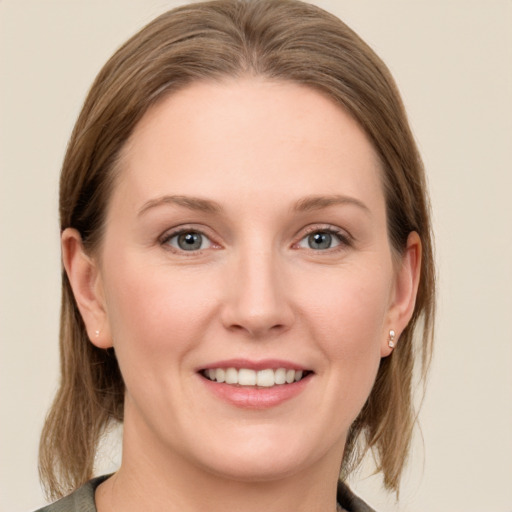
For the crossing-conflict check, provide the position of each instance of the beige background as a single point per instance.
(453, 62)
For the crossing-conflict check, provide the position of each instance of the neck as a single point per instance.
(166, 482)
(122, 493)
(154, 476)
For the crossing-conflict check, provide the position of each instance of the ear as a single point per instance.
(84, 276)
(403, 295)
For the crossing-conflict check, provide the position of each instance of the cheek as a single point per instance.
(347, 314)
(157, 318)
(153, 310)
(351, 307)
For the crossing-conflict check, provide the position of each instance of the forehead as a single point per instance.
(251, 135)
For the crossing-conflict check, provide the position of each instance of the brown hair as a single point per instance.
(278, 39)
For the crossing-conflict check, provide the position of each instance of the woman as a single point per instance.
(247, 257)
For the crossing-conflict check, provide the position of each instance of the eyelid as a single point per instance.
(187, 228)
(344, 237)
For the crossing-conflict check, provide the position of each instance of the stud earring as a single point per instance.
(96, 333)
(391, 342)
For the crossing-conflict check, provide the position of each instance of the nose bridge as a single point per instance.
(257, 303)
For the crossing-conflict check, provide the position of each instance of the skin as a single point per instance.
(255, 290)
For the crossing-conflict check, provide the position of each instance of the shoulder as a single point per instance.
(82, 500)
(349, 501)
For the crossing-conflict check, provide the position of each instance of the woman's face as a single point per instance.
(246, 239)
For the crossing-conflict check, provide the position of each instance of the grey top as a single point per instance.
(82, 500)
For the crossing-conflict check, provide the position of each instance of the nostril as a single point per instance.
(258, 330)
(257, 310)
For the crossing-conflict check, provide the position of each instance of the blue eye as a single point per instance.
(189, 241)
(320, 240)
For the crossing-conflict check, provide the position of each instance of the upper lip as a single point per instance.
(262, 364)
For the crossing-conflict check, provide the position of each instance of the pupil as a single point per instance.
(320, 241)
(189, 241)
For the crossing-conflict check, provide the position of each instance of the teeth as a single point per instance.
(280, 376)
(220, 375)
(246, 377)
(266, 378)
(231, 376)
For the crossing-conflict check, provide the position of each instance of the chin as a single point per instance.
(256, 469)
(267, 458)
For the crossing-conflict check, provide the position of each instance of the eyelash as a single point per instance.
(167, 237)
(344, 239)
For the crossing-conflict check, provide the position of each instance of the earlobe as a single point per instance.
(85, 280)
(404, 293)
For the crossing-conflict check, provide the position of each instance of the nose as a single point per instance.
(257, 297)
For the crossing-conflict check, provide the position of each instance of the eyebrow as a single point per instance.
(305, 204)
(189, 202)
(312, 203)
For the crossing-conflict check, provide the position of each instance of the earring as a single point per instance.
(97, 333)
(391, 342)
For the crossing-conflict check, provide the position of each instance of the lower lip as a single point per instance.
(248, 397)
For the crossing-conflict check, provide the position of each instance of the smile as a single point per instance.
(257, 385)
(265, 378)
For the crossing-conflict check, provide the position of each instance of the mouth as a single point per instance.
(247, 377)
(256, 385)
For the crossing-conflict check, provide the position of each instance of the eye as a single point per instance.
(323, 239)
(188, 241)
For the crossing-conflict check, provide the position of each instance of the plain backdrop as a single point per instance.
(452, 60)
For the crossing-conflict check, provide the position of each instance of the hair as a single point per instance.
(286, 40)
